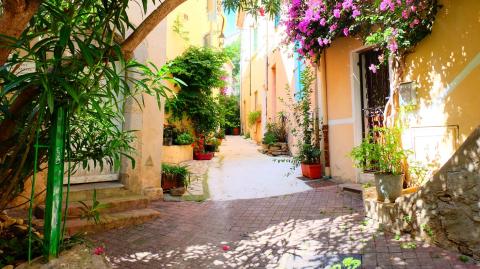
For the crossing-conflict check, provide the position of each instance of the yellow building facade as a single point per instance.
(441, 80)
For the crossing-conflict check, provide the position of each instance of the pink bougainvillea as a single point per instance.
(312, 25)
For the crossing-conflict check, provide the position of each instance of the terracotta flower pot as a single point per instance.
(236, 131)
(312, 171)
(203, 155)
(388, 186)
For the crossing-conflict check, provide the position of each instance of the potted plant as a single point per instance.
(268, 140)
(212, 144)
(308, 151)
(175, 178)
(200, 153)
(236, 130)
(385, 157)
(184, 138)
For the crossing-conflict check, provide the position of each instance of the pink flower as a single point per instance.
(413, 8)
(336, 13)
(326, 41)
(355, 13)
(333, 27)
(346, 31)
(99, 251)
(347, 4)
(320, 41)
(393, 46)
(405, 14)
(323, 22)
(261, 10)
(373, 68)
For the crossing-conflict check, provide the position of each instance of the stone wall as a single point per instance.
(446, 209)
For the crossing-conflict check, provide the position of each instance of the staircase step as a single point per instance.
(111, 221)
(113, 205)
(352, 187)
(84, 192)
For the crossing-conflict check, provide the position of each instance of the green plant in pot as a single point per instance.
(212, 144)
(184, 138)
(175, 178)
(308, 153)
(384, 156)
(268, 140)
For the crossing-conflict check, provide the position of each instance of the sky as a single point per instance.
(231, 27)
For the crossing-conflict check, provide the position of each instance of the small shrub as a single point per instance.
(247, 136)
(184, 139)
(269, 138)
(180, 171)
(253, 117)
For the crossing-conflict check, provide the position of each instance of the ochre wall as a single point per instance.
(339, 107)
(446, 69)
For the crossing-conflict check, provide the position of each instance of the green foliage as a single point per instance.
(69, 55)
(308, 149)
(427, 229)
(14, 247)
(269, 138)
(220, 134)
(271, 7)
(408, 245)
(463, 258)
(347, 263)
(179, 171)
(247, 135)
(253, 117)
(201, 70)
(93, 211)
(229, 111)
(184, 139)
(233, 53)
(383, 154)
(278, 129)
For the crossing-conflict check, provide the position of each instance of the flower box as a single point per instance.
(203, 155)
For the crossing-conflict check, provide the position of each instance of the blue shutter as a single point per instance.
(276, 20)
(299, 65)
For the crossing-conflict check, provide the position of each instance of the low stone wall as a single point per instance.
(446, 209)
(177, 154)
(277, 149)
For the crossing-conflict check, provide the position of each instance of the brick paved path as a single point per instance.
(310, 229)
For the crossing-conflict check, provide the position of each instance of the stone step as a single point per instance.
(114, 204)
(351, 187)
(109, 221)
(84, 192)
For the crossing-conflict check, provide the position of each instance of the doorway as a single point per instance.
(374, 90)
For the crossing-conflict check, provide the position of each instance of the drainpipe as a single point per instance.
(324, 112)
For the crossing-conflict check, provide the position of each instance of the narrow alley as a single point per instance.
(295, 225)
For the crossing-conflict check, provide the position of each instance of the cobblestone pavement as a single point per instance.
(311, 229)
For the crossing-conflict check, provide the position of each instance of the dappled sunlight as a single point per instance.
(293, 243)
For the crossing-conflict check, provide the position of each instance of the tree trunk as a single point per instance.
(147, 25)
(15, 17)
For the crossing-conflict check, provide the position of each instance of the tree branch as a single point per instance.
(14, 20)
(147, 25)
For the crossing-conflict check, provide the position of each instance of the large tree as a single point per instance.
(74, 53)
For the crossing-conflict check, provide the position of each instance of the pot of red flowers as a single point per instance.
(199, 152)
